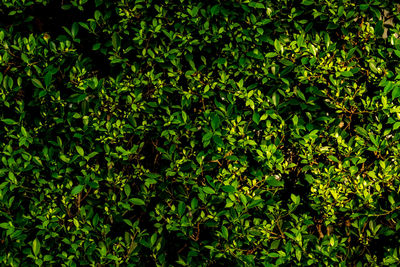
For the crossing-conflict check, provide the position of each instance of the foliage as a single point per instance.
(193, 133)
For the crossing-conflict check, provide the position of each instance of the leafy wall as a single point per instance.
(199, 133)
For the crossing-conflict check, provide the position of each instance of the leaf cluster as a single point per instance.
(194, 133)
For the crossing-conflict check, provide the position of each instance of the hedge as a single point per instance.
(199, 133)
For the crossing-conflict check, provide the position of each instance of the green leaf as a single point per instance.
(391, 200)
(333, 158)
(77, 189)
(332, 26)
(300, 95)
(215, 122)
(218, 141)
(184, 116)
(397, 53)
(353, 170)
(64, 158)
(295, 120)
(274, 255)
(243, 199)
(36, 247)
(256, 5)
(128, 222)
(77, 98)
(66, 7)
(37, 83)
(47, 79)
(137, 201)
(9, 121)
(361, 131)
(153, 239)
(307, 2)
(23, 131)
(221, 60)
(275, 244)
(96, 46)
(181, 208)
(379, 29)
(373, 139)
(373, 67)
(24, 58)
(5, 225)
(350, 54)
(208, 190)
(10, 82)
(80, 150)
(275, 99)
(75, 29)
(271, 55)
(256, 117)
(277, 45)
(340, 11)
(194, 203)
(37, 160)
(295, 199)
(298, 254)
(97, 15)
(127, 190)
(346, 73)
(255, 203)
(12, 177)
(153, 175)
(228, 188)
(396, 92)
(116, 41)
(273, 181)
(300, 41)
(224, 232)
(207, 137)
(215, 10)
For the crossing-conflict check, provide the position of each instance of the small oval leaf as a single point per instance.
(77, 189)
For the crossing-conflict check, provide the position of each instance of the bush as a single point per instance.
(194, 133)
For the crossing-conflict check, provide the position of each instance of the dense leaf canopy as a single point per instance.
(199, 133)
